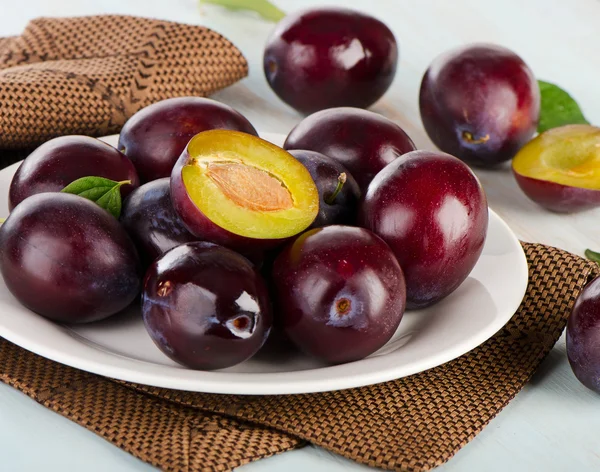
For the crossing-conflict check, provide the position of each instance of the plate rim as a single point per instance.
(99, 362)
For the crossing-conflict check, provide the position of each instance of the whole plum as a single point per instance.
(330, 57)
(432, 211)
(67, 259)
(206, 306)
(340, 293)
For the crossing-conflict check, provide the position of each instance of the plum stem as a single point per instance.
(263, 7)
(470, 138)
(592, 256)
(2, 220)
(340, 184)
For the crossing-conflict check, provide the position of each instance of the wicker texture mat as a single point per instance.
(411, 424)
(87, 75)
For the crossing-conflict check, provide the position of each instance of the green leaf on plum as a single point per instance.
(558, 108)
(105, 193)
(592, 255)
(264, 8)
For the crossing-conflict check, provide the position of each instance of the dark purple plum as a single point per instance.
(206, 306)
(330, 57)
(338, 191)
(432, 211)
(60, 161)
(480, 103)
(67, 259)
(583, 336)
(362, 141)
(150, 219)
(155, 136)
(340, 293)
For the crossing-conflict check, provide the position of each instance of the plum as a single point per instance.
(338, 191)
(154, 137)
(205, 306)
(362, 141)
(560, 168)
(583, 343)
(150, 219)
(242, 192)
(330, 57)
(340, 293)
(480, 103)
(432, 211)
(60, 161)
(67, 259)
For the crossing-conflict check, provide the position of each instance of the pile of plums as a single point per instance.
(326, 240)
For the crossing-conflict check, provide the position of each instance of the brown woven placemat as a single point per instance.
(87, 75)
(411, 424)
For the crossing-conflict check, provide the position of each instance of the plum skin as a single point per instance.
(329, 57)
(154, 137)
(487, 127)
(340, 293)
(432, 211)
(60, 161)
(325, 172)
(67, 259)
(558, 197)
(205, 306)
(582, 336)
(151, 221)
(362, 141)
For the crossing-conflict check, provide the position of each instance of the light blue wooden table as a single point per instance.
(552, 425)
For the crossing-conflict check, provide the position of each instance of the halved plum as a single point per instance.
(241, 191)
(560, 169)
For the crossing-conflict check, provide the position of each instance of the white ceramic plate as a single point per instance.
(120, 347)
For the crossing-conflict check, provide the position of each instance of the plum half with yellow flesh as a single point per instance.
(241, 191)
(560, 169)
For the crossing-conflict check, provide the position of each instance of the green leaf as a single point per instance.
(263, 7)
(592, 256)
(104, 192)
(558, 108)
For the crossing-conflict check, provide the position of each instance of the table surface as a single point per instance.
(549, 425)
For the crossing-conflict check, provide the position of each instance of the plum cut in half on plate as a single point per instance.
(241, 191)
(560, 169)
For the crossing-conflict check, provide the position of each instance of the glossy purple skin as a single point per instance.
(67, 259)
(202, 227)
(155, 136)
(362, 141)
(206, 306)
(150, 219)
(432, 211)
(583, 336)
(325, 171)
(60, 161)
(558, 197)
(330, 57)
(487, 91)
(323, 269)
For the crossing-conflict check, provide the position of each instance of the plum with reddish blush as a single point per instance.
(432, 211)
(67, 259)
(480, 103)
(362, 141)
(205, 306)
(150, 219)
(60, 161)
(338, 191)
(340, 293)
(330, 57)
(154, 137)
